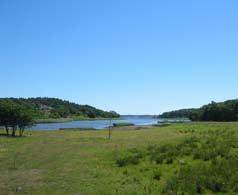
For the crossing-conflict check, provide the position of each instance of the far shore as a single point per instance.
(63, 120)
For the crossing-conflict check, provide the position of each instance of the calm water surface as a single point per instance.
(97, 124)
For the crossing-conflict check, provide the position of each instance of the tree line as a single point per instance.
(183, 113)
(15, 117)
(221, 111)
(45, 107)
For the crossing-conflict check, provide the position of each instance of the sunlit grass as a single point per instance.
(85, 162)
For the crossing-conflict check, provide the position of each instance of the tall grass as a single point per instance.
(212, 163)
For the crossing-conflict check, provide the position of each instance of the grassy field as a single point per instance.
(148, 160)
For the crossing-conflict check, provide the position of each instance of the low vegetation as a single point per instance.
(193, 158)
(202, 163)
(79, 129)
(122, 124)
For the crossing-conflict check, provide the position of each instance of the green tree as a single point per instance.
(25, 119)
(14, 115)
(5, 115)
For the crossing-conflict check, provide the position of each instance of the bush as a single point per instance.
(215, 184)
(186, 150)
(165, 152)
(171, 186)
(159, 158)
(222, 150)
(197, 155)
(132, 158)
(169, 160)
(218, 176)
(208, 154)
(157, 175)
(191, 178)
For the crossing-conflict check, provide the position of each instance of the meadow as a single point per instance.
(172, 159)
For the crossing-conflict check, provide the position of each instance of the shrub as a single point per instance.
(169, 160)
(205, 154)
(197, 154)
(191, 140)
(133, 158)
(192, 178)
(233, 182)
(151, 148)
(235, 188)
(121, 162)
(171, 186)
(208, 154)
(186, 150)
(157, 175)
(165, 152)
(159, 158)
(222, 150)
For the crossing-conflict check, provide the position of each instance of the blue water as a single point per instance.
(97, 124)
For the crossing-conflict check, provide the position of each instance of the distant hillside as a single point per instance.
(221, 111)
(45, 107)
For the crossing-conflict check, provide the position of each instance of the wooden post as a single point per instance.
(109, 129)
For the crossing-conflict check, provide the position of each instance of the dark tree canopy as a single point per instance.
(14, 115)
(183, 113)
(44, 107)
(222, 111)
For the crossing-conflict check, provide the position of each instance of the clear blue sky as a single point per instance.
(132, 56)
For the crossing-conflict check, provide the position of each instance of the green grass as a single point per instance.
(86, 162)
(78, 129)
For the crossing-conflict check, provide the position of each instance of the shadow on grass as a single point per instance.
(10, 136)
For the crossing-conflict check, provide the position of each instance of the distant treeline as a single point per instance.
(44, 107)
(222, 111)
(183, 113)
